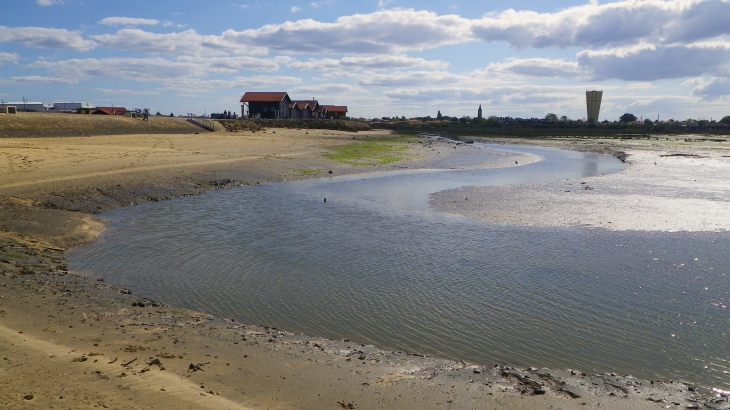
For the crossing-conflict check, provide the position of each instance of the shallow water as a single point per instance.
(376, 265)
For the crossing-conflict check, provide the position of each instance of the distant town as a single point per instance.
(279, 105)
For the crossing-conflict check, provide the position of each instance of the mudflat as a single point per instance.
(73, 342)
(671, 184)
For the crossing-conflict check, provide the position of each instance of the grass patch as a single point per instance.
(16, 256)
(373, 151)
(47, 124)
(311, 171)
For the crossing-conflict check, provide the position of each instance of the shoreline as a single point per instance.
(680, 185)
(342, 374)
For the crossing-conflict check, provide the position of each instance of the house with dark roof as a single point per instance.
(265, 105)
(300, 109)
(307, 109)
(278, 105)
(335, 111)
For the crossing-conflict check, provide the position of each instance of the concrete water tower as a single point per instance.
(593, 103)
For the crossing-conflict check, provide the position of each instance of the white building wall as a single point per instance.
(71, 106)
(28, 105)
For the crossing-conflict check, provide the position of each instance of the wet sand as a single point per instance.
(72, 342)
(667, 186)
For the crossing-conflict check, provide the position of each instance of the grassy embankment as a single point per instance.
(35, 125)
(257, 125)
(611, 131)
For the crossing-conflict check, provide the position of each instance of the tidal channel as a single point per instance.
(374, 264)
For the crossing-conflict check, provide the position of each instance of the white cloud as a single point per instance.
(184, 43)
(8, 58)
(410, 78)
(537, 67)
(386, 62)
(649, 106)
(324, 91)
(49, 38)
(48, 2)
(259, 82)
(129, 21)
(385, 31)
(322, 3)
(592, 25)
(507, 96)
(378, 62)
(125, 92)
(228, 65)
(295, 9)
(383, 3)
(134, 69)
(650, 62)
(34, 79)
(185, 70)
(340, 74)
(610, 24)
(316, 65)
(715, 88)
(693, 82)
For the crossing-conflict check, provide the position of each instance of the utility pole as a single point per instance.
(24, 100)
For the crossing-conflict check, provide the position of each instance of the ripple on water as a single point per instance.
(374, 267)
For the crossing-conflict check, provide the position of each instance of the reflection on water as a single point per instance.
(376, 265)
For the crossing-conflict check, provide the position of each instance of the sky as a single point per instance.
(521, 58)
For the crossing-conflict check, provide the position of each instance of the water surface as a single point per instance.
(376, 265)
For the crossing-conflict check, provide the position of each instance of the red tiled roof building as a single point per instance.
(265, 105)
(336, 111)
(110, 110)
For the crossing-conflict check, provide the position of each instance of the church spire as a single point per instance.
(479, 115)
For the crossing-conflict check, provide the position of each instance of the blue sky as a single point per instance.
(667, 58)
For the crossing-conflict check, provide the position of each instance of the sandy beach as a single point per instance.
(68, 341)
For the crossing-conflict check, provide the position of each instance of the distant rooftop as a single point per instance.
(263, 97)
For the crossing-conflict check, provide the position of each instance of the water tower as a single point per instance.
(593, 103)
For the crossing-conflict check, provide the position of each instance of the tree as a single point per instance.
(648, 122)
(725, 120)
(564, 118)
(492, 121)
(627, 118)
(551, 117)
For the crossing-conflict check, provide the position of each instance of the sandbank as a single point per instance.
(669, 185)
